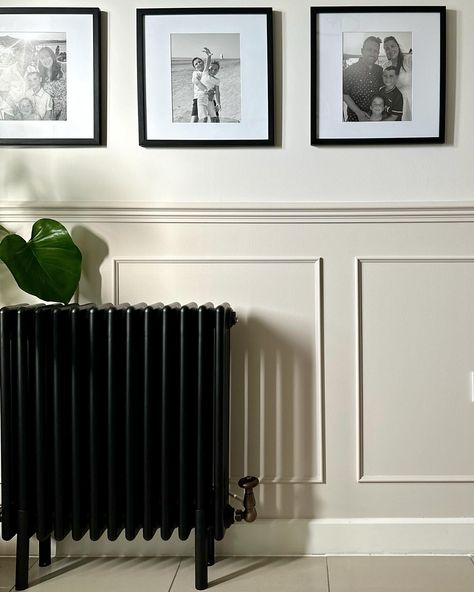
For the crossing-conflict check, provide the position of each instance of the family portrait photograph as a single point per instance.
(378, 65)
(205, 78)
(377, 76)
(33, 76)
(50, 89)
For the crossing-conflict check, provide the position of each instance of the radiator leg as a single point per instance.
(200, 559)
(210, 547)
(22, 552)
(45, 552)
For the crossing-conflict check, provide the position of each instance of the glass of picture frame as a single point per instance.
(49, 76)
(378, 75)
(205, 77)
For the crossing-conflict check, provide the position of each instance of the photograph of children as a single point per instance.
(33, 76)
(205, 78)
(377, 76)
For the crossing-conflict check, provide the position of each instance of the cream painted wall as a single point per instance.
(322, 411)
(351, 362)
(291, 172)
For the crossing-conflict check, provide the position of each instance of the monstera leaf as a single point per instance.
(48, 265)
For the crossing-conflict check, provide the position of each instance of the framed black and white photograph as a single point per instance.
(378, 75)
(205, 77)
(49, 76)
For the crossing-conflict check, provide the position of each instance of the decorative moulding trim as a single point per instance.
(416, 479)
(361, 476)
(298, 213)
(340, 536)
(120, 263)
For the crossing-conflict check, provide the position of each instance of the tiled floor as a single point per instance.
(249, 574)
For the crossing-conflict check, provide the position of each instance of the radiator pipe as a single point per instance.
(249, 513)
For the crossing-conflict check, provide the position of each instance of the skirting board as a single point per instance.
(412, 536)
(8, 548)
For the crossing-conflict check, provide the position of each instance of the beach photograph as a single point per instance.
(205, 77)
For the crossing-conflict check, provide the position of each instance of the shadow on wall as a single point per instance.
(22, 182)
(10, 293)
(273, 417)
(94, 250)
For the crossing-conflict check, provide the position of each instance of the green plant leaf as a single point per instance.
(48, 265)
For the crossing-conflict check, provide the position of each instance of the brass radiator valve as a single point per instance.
(249, 513)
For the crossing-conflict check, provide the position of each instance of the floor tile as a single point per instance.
(262, 574)
(7, 571)
(121, 574)
(400, 574)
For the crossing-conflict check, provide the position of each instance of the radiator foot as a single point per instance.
(22, 552)
(201, 550)
(45, 552)
(210, 547)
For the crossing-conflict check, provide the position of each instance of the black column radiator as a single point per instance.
(115, 419)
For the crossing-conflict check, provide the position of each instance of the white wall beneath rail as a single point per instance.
(292, 171)
(351, 365)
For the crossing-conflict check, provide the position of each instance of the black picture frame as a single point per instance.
(167, 122)
(335, 32)
(72, 116)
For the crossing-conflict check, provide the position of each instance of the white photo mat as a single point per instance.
(425, 30)
(80, 75)
(252, 29)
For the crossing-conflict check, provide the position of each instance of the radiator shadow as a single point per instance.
(274, 415)
(261, 569)
(59, 566)
(97, 568)
(258, 564)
